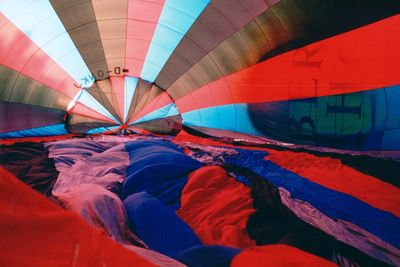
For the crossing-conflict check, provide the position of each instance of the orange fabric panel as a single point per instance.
(36, 232)
(217, 208)
(278, 256)
(335, 175)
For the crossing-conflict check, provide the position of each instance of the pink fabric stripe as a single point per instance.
(118, 85)
(19, 53)
(82, 110)
(142, 21)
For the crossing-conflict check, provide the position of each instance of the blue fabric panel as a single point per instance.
(233, 117)
(132, 147)
(380, 223)
(348, 121)
(391, 140)
(393, 102)
(159, 227)
(163, 112)
(210, 256)
(169, 192)
(175, 20)
(158, 167)
(352, 121)
(371, 141)
(57, 129)
(39, 21)
(129, 90)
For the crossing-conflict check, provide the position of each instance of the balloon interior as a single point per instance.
(200, 133)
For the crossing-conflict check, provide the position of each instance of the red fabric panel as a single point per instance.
(184, 136)
(118, 85)
(278, 256)
(362, 59)
(19, 53)
(82, 110)
(36, 232)
(141, 131)
(36, 139)
(333, 174)
(160, 101)
(217, 208)
(142, 21)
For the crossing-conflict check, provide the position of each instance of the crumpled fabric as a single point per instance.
(209, 155)
(158, 226)
(342, 230)
(100, 208)
(105, 168)
(67, 152)
(158, 167)
(347, 208)
(30, 163)
(217, 207)
(36, 232)
(103, 209)
(333, 174)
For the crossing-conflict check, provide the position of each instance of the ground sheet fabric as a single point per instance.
(202, 203)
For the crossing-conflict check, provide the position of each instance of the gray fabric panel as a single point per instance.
(142, 89)
(171, 125)
(81, 124)
(18, 88)
(101, 96)
(216, 23)
(79, 20)
(147, 97)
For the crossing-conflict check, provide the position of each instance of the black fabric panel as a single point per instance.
(30, 162)
(15, 116)
(387, 170)
(18, 88)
